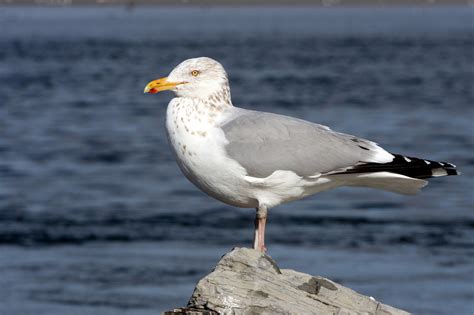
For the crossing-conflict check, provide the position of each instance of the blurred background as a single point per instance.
(95, 216)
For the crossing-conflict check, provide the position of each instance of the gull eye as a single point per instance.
(194, 73)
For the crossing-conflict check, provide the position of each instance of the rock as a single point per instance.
(190, 311)
(246, 281)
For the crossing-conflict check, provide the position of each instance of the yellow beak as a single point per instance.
(159, 85)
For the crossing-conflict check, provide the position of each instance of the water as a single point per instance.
(95, 217)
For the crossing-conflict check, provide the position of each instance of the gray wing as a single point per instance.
(263, 143)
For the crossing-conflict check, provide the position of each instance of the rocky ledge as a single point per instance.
(246, 281)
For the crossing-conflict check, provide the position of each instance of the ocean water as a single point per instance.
(96, 218)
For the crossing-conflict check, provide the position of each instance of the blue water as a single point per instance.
(96, 218)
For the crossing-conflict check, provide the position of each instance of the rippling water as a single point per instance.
(95, 217)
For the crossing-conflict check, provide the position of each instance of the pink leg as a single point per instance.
(260, 221)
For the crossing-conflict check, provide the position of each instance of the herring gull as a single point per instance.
(259, 160)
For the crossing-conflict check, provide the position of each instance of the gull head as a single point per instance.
(200, 78)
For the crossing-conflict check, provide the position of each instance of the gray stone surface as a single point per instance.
(248, 282)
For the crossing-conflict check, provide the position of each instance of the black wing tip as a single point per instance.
(407, 166)
(452, 171)
(425, 167)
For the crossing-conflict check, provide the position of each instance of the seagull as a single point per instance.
(254, 159)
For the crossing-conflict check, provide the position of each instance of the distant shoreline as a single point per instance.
(181, 3)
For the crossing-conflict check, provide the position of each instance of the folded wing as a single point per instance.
(264, 143)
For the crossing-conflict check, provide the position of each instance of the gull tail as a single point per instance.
(403, 175)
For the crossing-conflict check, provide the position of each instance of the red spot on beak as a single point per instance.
(153, 91)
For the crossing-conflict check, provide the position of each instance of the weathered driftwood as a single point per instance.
(248, 282)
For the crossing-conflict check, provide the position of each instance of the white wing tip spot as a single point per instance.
(427, 162)
(438, 172)
(407, 159)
